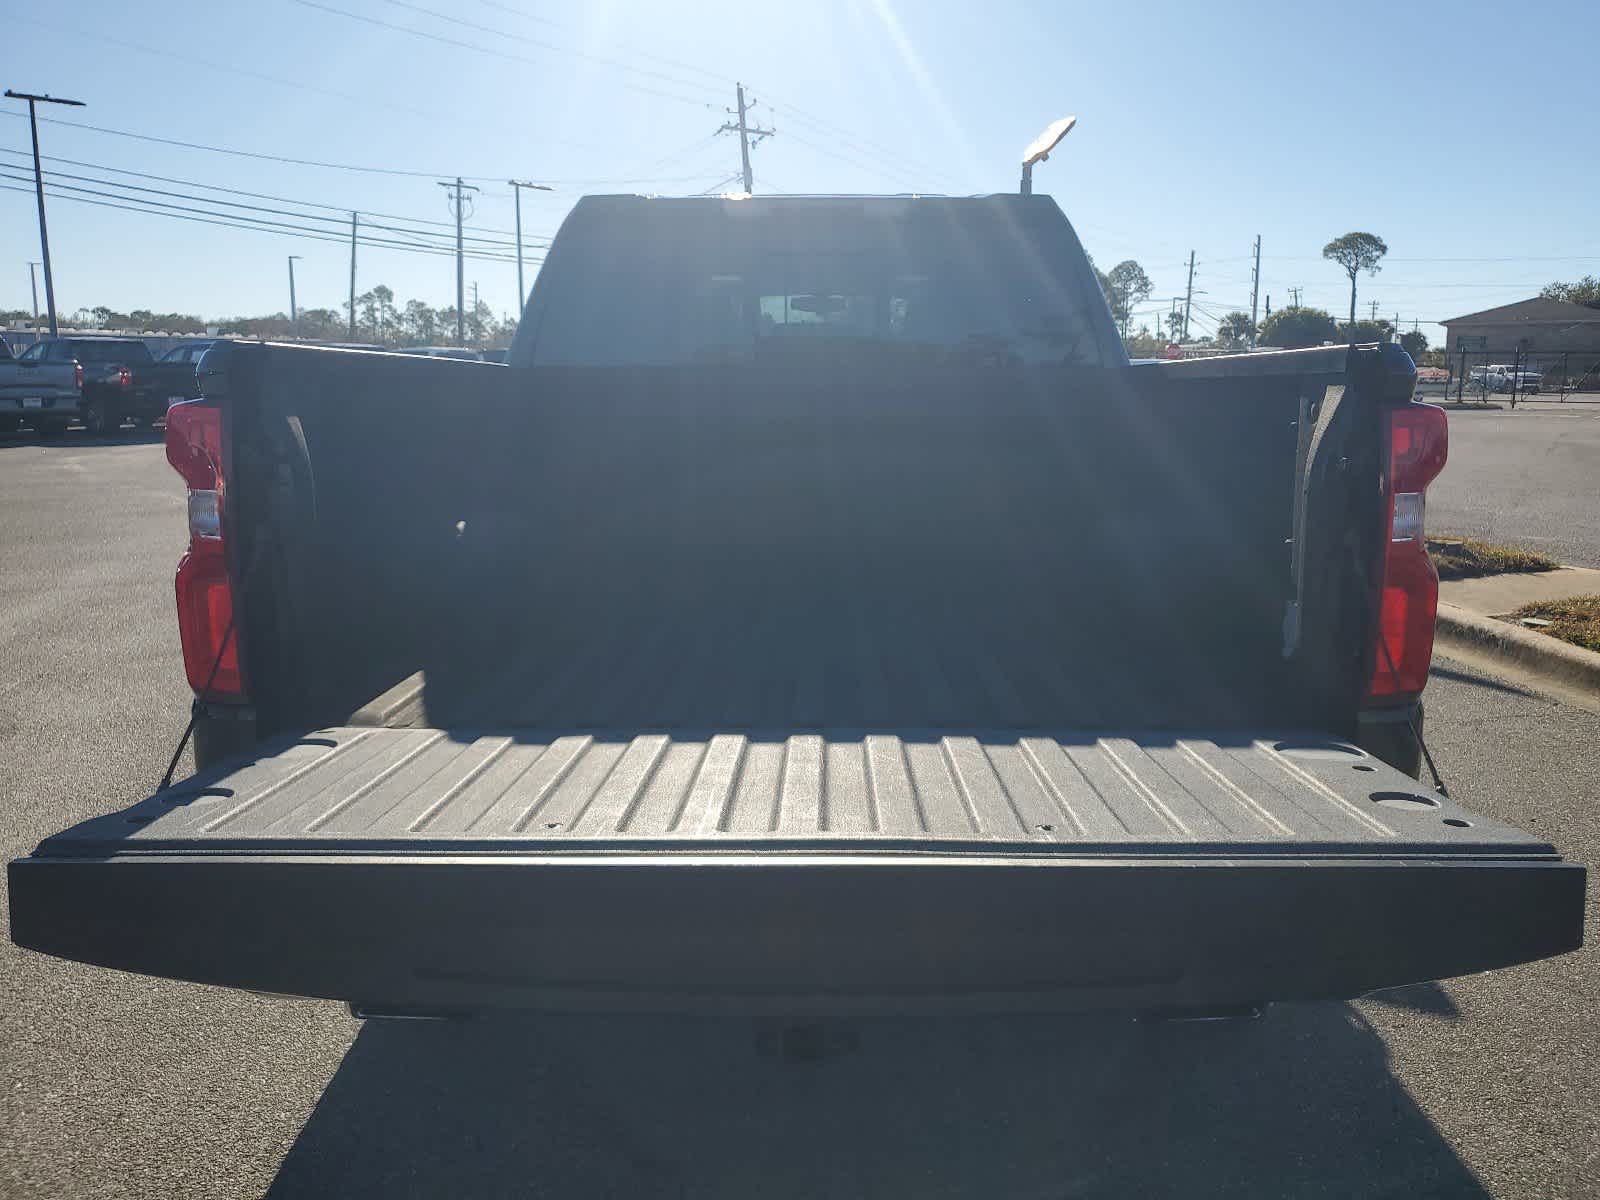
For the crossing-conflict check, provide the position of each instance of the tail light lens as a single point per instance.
(205, 615)
(1418, 446)
(78, 376)
(205, 594)
(124, 377)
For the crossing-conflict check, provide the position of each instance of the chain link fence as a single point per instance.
(1479, 373)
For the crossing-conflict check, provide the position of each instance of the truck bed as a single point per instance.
(798, 871)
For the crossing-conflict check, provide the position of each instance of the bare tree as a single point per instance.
(1356, 252)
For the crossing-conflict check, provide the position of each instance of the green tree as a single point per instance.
(1293, 327)
(419, 324)
(1126, 287)
(1234, 330)
(383, 322)
(1356, 252)
(1414, 342)
(1363, 332)
(1144, 344)
(1585, 292)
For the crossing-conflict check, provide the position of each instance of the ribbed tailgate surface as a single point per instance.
(425, 790)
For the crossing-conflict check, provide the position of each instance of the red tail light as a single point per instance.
(1418, 446)
(78, 375)
(124, 377)
(205, 595)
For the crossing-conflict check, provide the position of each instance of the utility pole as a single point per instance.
(474, 298)
(1255, 288)
(294, 319)
(516, 190)
(458, 206)
(749, 136)
(1373, 316)
(1188, 297)
(1268, 313)
(38, 190)
(1294, 293)
(33, 282)
(353, 222)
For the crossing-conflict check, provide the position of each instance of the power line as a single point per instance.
(278, 158)
(489, 50)
(261, 221)
(660, 58)
(236, 221)
(721, 183)
(564, 51)
(191, 60)
(875, 168)
(873, 149)
(492, 243)
(869, 148)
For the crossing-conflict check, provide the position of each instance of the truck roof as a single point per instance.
(810, 199)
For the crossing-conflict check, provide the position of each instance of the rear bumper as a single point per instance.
(66, 406)
(1390, 735)
(798, 933)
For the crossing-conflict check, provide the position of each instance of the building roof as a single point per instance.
(1539, 310)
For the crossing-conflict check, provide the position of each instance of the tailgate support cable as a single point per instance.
(1416, 734)
(197, 706)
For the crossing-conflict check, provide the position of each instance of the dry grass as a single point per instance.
(1468, 558)
(1575, 620)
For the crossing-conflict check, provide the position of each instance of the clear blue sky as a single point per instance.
(1200, 126)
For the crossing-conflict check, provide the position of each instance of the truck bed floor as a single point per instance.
(415, 789)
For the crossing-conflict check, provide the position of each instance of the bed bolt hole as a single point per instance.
(1457, 823)
(552, 824)
(1363, 767)
(1047, 828)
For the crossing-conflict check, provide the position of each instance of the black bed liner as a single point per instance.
(430, 790)
(798, 871)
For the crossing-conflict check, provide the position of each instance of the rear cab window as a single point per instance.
(107, 351)
(671, 283)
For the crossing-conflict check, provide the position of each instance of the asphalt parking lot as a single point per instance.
(114, 1085)
(1529, 476)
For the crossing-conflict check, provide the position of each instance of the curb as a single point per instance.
(1536, 652)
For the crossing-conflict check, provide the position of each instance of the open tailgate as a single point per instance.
(426, 870)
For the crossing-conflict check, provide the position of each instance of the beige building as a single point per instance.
(1545, 331)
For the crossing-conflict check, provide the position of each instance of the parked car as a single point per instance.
(823, 616)
(44, 395)
(172, 376)
(111, 372)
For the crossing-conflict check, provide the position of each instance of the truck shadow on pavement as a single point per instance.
(81, 439)
(1298, 1103)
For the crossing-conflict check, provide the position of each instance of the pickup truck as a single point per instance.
(110, 375)
(39, 394)
(171, 378)
(819, 614)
